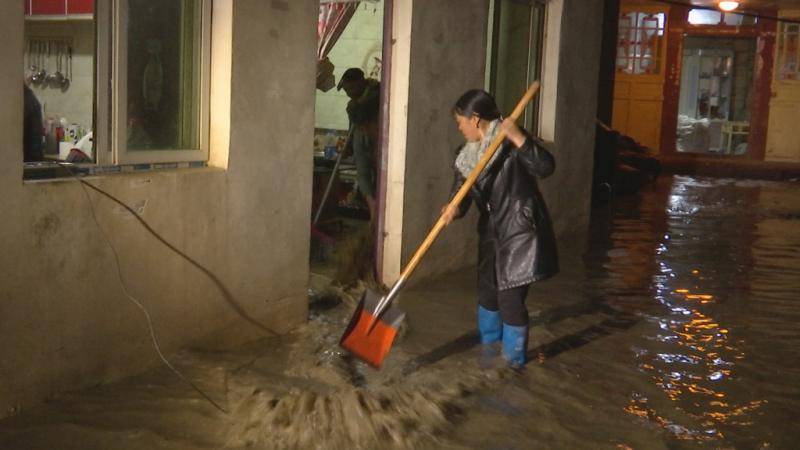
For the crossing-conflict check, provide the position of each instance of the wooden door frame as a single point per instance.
(383, 139)
(678, 29)
(654, 79)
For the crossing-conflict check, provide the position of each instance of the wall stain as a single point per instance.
(45, 227)
(142, 182)
(280, 5)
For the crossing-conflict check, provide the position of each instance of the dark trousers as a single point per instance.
(510, 302)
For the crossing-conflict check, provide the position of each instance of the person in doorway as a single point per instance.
(362, 112)
(32, 127)
(517, 245)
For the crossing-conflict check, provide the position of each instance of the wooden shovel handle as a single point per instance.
(487, 156)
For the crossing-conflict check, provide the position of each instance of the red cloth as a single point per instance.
(333, 18)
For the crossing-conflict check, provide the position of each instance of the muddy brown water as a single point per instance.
(676, 325)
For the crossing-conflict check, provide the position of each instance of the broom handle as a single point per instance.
(487, 156)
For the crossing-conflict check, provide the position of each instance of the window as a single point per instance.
(639, 43)
(58, 74)
(140, 76)
(159, 96)
(514, 53)
(788, 53)
(710, 17)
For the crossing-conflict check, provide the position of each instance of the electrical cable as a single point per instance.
(83, 184)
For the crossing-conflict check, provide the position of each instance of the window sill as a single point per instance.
(59, 17)
(51, 171)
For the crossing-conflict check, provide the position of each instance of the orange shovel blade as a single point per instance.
(371, 346)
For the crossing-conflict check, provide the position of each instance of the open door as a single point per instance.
(639, 79)
(349, 123)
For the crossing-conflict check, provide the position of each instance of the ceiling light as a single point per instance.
(728, 5)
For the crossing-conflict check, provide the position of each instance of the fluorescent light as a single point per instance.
(726, 5)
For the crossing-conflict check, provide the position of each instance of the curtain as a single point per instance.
(333, 18)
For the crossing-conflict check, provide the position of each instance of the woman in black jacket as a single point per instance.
(516, 242)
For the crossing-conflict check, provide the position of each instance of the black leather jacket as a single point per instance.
(514, 221)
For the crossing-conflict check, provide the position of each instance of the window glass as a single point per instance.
(788, 52)
(639, 42)
(715, 93)
(735, 20)
(709, 17)
(163, 84)
(705, 17)
(515, 53)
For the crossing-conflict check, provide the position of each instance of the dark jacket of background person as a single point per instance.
(363, 114)
(514, 223)
(32, 147)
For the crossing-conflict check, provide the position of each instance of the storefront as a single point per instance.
(699, 82)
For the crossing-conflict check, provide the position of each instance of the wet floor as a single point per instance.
(677, 325)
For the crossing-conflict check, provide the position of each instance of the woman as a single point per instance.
(516, 242)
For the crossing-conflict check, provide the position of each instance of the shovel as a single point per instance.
(374, 324)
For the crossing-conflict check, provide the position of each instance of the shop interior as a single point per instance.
(715, 95)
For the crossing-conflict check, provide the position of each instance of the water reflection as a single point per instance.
(701, 248)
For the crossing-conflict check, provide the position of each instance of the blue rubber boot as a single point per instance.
(515, 345)
(489, 325)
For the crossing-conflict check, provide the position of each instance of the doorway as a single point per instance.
(347, 147)
(716, 91)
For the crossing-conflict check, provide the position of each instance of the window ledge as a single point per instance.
(59, 17)
(51, 171)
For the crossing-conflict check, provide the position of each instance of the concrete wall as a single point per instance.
(448, 49)
(64, 320)
(573, 105)
(447, 57)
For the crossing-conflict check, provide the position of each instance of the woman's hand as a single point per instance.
(513, 132)
(449, 213)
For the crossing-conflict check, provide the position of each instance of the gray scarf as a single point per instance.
(472, 152)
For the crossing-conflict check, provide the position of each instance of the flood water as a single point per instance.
(676, 325)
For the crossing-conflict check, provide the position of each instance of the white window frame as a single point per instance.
(111, 119)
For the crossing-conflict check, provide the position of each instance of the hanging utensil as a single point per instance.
(57, 80)
(38, 76)
(68, 77)
(45, 62)
(51, 77)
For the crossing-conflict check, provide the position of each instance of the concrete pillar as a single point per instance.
(446, 48)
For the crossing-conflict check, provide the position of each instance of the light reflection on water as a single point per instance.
(720, 260)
